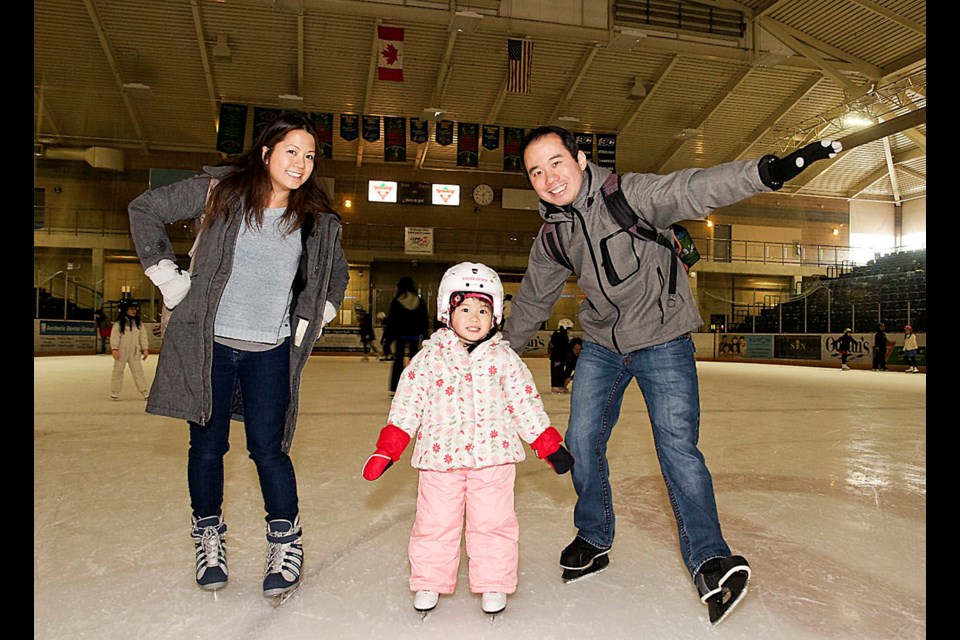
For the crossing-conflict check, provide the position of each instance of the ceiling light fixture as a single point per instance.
(465, 21)
(221, 50)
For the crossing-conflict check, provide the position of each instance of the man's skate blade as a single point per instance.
(599, 564)
(278, 599)
(724, 602)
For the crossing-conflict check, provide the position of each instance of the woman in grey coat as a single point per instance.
(267, 272)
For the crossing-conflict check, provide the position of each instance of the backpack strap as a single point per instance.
(554, 247)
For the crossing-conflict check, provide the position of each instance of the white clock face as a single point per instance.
(483, 194)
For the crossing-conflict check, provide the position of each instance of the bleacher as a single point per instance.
(891, 289)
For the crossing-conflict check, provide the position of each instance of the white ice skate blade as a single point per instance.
(280, 598)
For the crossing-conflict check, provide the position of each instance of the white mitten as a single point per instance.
(329, 312)
(173, 283)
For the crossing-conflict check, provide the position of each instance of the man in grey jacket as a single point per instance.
(636, 322)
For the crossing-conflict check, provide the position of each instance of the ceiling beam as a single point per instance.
(740, 151)
(205, 62)
(906, 63)
(871, 71)
(854, 140)
(575, 81)
(44, 115)
(777, 30)
(888, 157)
(368, 94)
(704, 115)
(655, 83)
(892, 16)
(494, 114)
(444, 73)
(913, 172)
(112, 61)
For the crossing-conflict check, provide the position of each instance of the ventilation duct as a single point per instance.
(96, 157)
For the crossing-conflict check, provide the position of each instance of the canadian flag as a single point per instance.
(390, 52)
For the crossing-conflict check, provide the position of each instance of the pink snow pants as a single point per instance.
(492, 533)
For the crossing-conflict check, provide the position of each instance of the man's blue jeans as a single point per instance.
(264, 379)
(667, 376)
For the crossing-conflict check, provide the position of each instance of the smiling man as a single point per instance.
(616, 235)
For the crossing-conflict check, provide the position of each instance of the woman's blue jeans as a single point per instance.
(667, 376)
(264, 380)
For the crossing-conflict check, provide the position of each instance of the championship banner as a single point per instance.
(232, 128)
(349, 126)
(371, 128)
(444, 133)
(607, 151)
(394, 139)
(261, 118)
(585, 143)
(512, 137)
(491, 137)
(324, 124)
(418, 130)
(467, 144)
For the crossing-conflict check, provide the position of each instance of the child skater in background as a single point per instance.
(129, 345)
(472, 400)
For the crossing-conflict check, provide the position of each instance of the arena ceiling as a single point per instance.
(679, 83)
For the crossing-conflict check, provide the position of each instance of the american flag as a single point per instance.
(519, 57)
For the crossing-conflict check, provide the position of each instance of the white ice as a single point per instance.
(820, 476)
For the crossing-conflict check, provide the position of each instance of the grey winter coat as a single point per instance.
(182, 384)
(624, 278)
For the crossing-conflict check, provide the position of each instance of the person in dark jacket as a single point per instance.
(557, 351)
(268, 272)
(880, 349)
(365, 323)
(406, 326)
(635, 326)
(843, 347)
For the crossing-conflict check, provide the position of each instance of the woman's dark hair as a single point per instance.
(406, 285)
(251, 185)
(566, 137)
(126, 322)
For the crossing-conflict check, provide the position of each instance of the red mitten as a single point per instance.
(390, 445)
(547, 447)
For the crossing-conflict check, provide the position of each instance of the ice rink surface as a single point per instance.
(820, 478)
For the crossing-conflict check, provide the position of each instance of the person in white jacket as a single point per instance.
(469, 399)
(129, 346)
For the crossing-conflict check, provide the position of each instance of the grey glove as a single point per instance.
(775, 171)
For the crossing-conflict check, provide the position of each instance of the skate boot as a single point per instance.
(281, 574)
(210, 544)
(581, 558)
(425, 600)
(494, 602)
(722, 582)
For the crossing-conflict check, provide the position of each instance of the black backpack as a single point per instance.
(677, 239)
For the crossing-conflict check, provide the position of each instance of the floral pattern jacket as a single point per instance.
(467, 410)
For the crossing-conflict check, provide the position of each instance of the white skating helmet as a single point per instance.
(565, 323)
(470, 277)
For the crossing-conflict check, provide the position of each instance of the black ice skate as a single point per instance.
(722, 583)
(581, 558)
(281, 574)
(210, 547)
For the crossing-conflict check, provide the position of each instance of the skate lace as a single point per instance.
(275, 556)
(210, 541)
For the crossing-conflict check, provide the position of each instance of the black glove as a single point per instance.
(560, 460)
(775, 171)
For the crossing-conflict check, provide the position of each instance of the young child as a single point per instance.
(469, 399)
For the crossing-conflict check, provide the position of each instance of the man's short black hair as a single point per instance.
(566, 137)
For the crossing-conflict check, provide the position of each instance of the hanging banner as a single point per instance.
(232, 128)
(324, 124)
(585, 143)
(512, 137)
(607, 151)
(371, 128)
(394, 139)
(349, 126)
(444, 133)
(467, 144)
(491, 137)
(261, 118)
(418, 130)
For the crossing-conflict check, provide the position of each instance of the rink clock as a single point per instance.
(483, 194)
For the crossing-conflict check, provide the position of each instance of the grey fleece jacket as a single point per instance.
(625, 279)
(182, 385)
